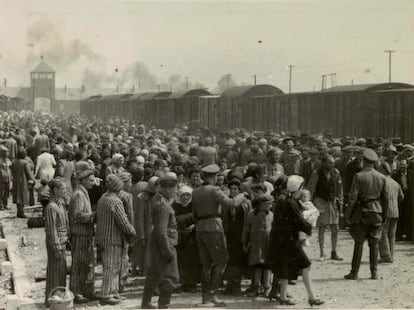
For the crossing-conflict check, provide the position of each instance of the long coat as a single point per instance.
(189, 265)
(21, 175)
(164, 238)
(256, 233)
(286, 256)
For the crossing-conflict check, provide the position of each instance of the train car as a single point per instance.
(240, 106)
(122, 105)
(205, 112)
(150, 108)
(354, 110)
(133, 106)
(176, 109)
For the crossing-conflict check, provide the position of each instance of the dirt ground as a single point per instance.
(394, 289)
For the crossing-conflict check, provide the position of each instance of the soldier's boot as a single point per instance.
(356, 261)
(147, 296)
(215, 278)
(373, 259)
(166, 290)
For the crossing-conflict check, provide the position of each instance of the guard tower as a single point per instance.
(42, 83)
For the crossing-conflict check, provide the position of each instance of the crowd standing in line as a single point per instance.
(189, 206)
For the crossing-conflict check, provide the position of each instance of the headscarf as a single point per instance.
(183, 190)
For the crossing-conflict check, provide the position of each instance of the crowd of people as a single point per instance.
(188, 206)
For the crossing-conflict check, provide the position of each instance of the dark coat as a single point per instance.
(286, 256)
(21, 175)
(164, 238)
(189, 265)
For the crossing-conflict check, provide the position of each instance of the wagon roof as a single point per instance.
(368, 87)
(116, 97)
(251, 91)
(189, 93)
(150, 96)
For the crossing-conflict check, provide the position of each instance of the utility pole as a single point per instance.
(290, 78)
(389, 63)
(254, 78)
(159, 87)
(323, 81)
(186, 83)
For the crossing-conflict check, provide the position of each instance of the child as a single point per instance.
(255, 239)
(43, 193)
(310, 214)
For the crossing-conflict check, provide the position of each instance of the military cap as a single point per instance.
(170, 178)
(370, 155)
(211, 169)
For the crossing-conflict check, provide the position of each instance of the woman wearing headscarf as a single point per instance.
(22, 176)
(57, 235)
(284, 240)
(234, 220)
(189, 266)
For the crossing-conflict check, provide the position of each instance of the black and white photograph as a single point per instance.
(252, 154)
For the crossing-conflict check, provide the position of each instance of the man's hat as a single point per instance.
(348, 148)
(370, 155)
(169, 179)
(211, 169)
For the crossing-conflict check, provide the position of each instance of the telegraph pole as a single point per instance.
(254, 78)
(290, 78)
(186, 83)
(389, 63)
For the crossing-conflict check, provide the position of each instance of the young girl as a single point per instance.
(255, 238)
(310, 214)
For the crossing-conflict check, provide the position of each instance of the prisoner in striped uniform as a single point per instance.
(127, 201)
(57, 235)
(113, 230)
(81, 219)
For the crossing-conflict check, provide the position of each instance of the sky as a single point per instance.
(149, 43)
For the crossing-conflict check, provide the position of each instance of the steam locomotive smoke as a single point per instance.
(45, 37)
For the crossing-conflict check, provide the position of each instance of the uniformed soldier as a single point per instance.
(367, 208)
(163, 269)
(207, 202)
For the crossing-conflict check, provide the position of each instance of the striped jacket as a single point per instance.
(112, 225)
(56, 225)
(127, 201)
(80, 213)
(394, 195)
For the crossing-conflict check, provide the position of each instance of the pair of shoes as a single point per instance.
(287, 302)
(291, 282)
(335, 256)
(92, 297)
(322, 258)
(80, 299)
(351, 276)
(374, 275)
(315, 302)
(386, 260)
(21, 216)
(109, 301)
